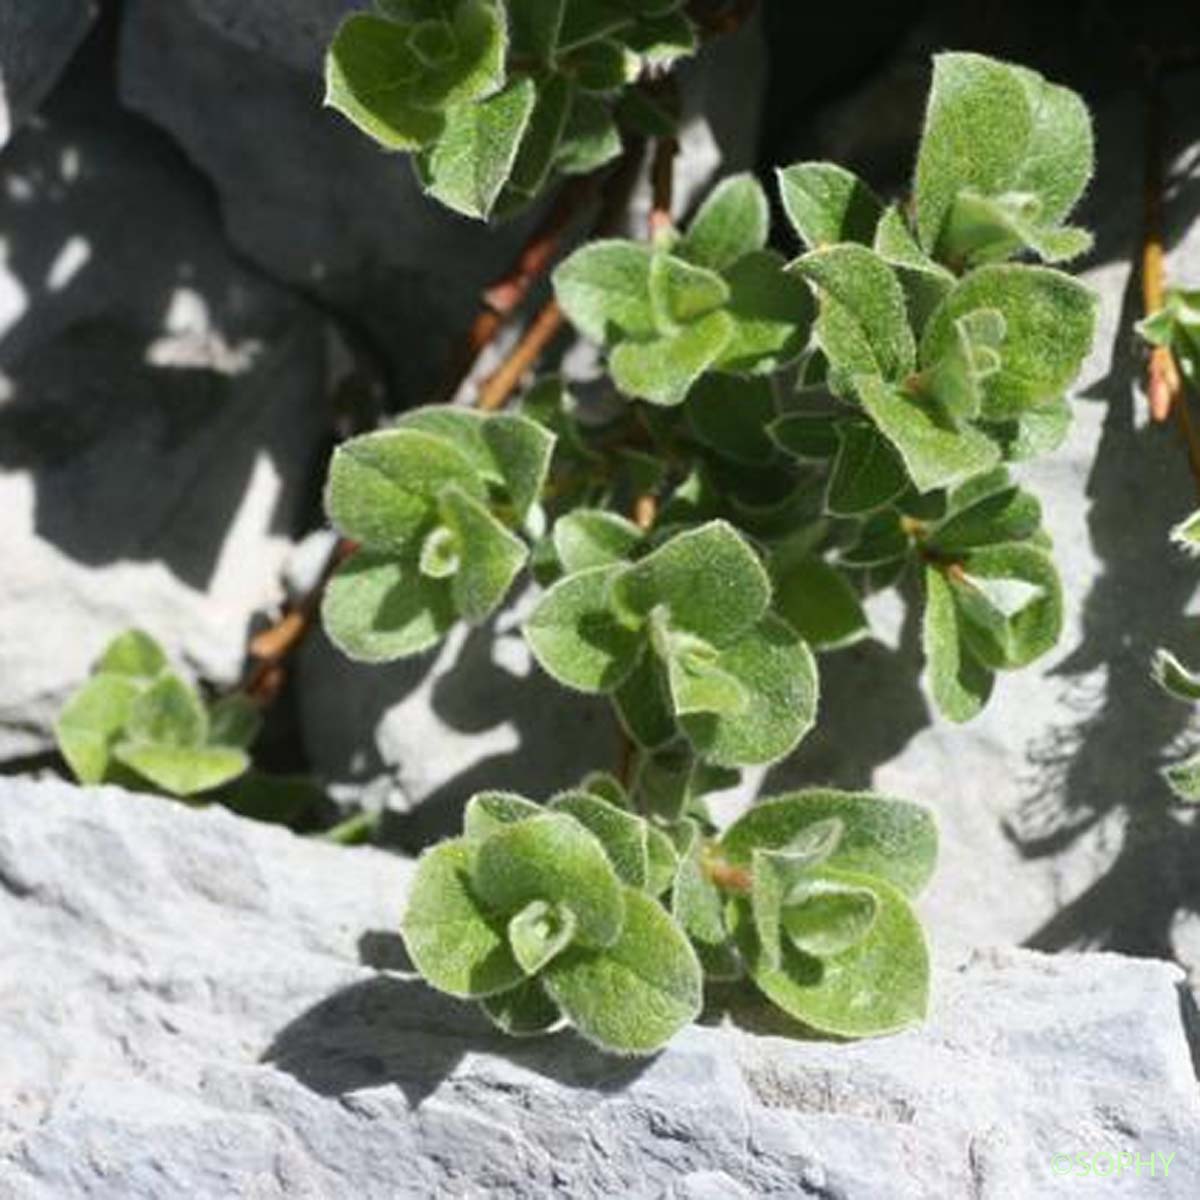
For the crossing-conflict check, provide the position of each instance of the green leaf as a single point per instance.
(634, 996)
(680, 292)
(881, 541)
(824, 917)
(133, 654)
(662, 39)
(936, 452)
(819, 604)
(866, 474)
(661, 861)
(826, 204)
(534, 27)
(1007, 515)
(879, 985)
(588, 20)
(698, 686)
(961, 685)
(543, 135)
(377, 608)
(591, 537)
(864, 323)
(731, 414)
(778, 674)
(1170, 675)
(981, 229)
(810, 437)
(733, 221)
(382, 487)
(604, 288)
(1183, 778)
(1049, 320)
(577, 638)
(662, 370)
(879, 836)
(955, 381)
(234, 721)
(471, 161)
(622, 835)
(709, 579)
(441, 555)
(1010, 599)
(169, 713)
(371, 77)
(696, 902)
(523, 1011)
(551, 857)
(643, 705)
(453, 940)
(182, 770)
(486, 812)
(540, 931)
(590, 139)
(491, 557)
(772, 314)
(90, 723)
(1185, 535)
(606, 786)
(601, 66)
(926, 283)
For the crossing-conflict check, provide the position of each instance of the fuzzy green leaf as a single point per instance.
(961, 685)
(824, 917)
(182, 770)
(91, 722)
(377, 608)
(472, 160)
(591, 537)
(881, 541)
(453, 940)
(779, 677)
(681, 292)
(622, 835)
(826, 204)
(732, 221)
(1183, 778)
(698, 686)
(878, 985)
(936, 452)
(879, 836)
(1006, 515)
(819, 603)
(731, 415)
(491, 557)
(168, 713)
(632, 997)
(534, 27)
(661, 861)
(382, 487)
(772, 313)
(1049, 319)
(1010, 600)
(864, 322)
(604, 288)
(696, 902)
(955, 382)
(643, 705)
(810, 437)
(576, 637)
(523, 1011)
(866, 474)
(486, 812)
(662, 370)
(540, 931)
(133, 654)
(1172, 676)
(591, 137)
(543, 135)
(551, 857)
(709, 579)
(234, 721)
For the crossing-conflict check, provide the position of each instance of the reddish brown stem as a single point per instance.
(501, 384)
(662, 186)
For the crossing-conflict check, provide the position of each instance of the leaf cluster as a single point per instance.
(137, 723)
(585, 912)
(495, 98)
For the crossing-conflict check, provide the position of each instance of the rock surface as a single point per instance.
(36, 41)
(195, 1007)
(161, 408)
(320, 206)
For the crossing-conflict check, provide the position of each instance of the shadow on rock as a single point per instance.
(395, 1030)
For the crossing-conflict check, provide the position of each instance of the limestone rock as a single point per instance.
(36, 40)
(161, 410)
(200, 1006)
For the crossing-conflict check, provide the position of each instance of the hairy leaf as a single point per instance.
(772, 313)
(91, 722)
(133, 654)
(819, 603)
(866, 474)
(523, 1011)
(540, 931)
(604, 288)
(622, 835)
(662, 370)
(732, 221)
(826, 204)
(961, 685)
(182, 770)
(491, 557)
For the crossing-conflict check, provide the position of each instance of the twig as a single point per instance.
(270, 649)
(1164, 385)
(507, 377)
(662, 186)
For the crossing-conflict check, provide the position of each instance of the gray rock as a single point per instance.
(318, 205)
(36, 41)
(161, 409)
(212, 1008)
